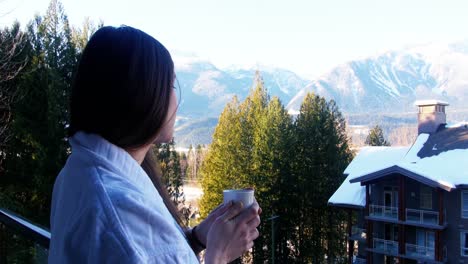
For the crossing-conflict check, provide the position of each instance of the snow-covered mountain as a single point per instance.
(386, 83)
(392, 81)
(205, 89)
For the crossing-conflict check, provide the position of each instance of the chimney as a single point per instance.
(431, 115)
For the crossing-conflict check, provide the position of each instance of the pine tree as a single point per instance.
(270, 162)
(13, 59)
(228, 162)
(376, 137)
(321, 153)
(169, 161)
(81, 35)
(190, 163)
(250, 149)
(198, 160)
(220, 169)
(38, 149)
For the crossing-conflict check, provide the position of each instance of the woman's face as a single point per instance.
(167, 131)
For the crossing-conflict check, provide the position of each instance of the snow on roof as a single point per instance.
(443, 168)
(458, 124)
(412, 154)
(442, 163)
(368, 160)
(430, 102)
(349, 194)
(372, 159)
(448, 168)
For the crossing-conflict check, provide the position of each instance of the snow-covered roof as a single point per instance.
(457, 124)
(430, 102)
(372, 159)
(440, 159)
(368, 160)
(349, 195)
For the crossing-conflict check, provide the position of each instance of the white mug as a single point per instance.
(246, 196)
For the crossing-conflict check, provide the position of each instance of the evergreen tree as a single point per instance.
(229, 160)
(190, 163)
(171, 170)
(38, 149)
(249, 149)
(80, 36)
(220, 170)
(198, 160)
(376, 137)
(14, 55)
(270, 163)
(184, 166)
(321, 155)
(194, 159)
(13, 59)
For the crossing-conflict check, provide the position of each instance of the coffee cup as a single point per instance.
(246, 196)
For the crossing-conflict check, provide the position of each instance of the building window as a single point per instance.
(425, 238)
(464, 204)
(464, 243)
(425, 197)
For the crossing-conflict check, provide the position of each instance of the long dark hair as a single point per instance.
(121, 92)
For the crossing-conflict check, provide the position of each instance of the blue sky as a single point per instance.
(306, 36)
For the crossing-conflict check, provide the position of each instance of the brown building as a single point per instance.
(410, 204)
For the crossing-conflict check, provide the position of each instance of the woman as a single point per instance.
(108, 204)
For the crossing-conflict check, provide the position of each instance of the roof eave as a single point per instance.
(348, 206)
(396, 169)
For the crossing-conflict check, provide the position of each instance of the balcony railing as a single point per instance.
(359, 261)
(387, 246)
(358, 233)
(420, 251)
(422, 216)
(18, 225)
(383, 211)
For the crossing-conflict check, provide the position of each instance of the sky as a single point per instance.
(308, 37)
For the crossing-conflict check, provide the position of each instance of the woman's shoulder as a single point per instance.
(143, 221)
(109, 204)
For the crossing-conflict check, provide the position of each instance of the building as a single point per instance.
(410, 204)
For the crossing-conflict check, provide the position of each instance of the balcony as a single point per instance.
(422, 216)
(359, 261)
(16, 225)
(381, 211)
(419, 251)
(358, 233)
(388, 247)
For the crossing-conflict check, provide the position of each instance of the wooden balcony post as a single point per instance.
(401, 239)
(438, 234)
(401, 198)
(350, 233)
(441, 206)
(367, 199)
(437, 246)
(401, 216)
(369, 226)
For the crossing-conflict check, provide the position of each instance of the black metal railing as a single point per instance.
(40, 236)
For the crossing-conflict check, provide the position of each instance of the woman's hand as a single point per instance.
(232, 233)
(201, 232)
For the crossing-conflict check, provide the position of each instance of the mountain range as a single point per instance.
(205, 89)
(385, 83)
